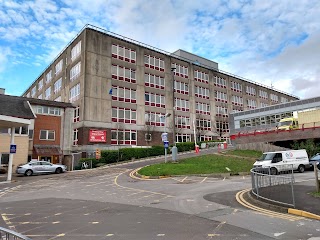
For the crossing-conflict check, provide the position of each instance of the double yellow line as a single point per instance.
(243, 202)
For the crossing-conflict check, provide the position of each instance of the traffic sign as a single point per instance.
(13, 148)
(164, 137)
(166, 144)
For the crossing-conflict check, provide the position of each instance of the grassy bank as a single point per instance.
(316, 194)
(208, 164)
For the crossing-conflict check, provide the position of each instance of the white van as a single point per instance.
(282, 161)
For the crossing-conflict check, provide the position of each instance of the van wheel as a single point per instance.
(301, 168)
(273, 171)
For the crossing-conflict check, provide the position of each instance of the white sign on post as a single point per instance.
(164, 137)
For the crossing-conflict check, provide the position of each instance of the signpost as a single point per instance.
(165, 141)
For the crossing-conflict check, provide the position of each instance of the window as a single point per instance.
(222, 127)
(235, 86)
(28, 94)
(44, 110)
(181, 104)
(203, 108)
(48, 93)
(182, 122)
(49, 76)
(76, 51)
(123, 53)
(123, 74)
(58, 99)
(57, 85)
(33, 91)
(75, 137)
(4, 158)
(180, 70)
(154, 62)
(59, 66)
(203, 124)
(220, 82)
(274, 97)
(76, 114)
(40, 85)
(201, 76)
(124, 115)
(250, 90)
(47, 134)
(237, 100)
(40, 96)
(205, 138)
(284, 100)
(74, 93)
(183, 137)
(155, 100)
(153, 81)
(221, 111)
(154, 119)
(262, 104)
(123, 94)
(75, 71)
(263, 94)
(221, 96)
(251, 103)
(123, 137)
(181, 87)
(30, 133)
(202, 92)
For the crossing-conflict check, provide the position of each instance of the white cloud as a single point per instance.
(266, 41)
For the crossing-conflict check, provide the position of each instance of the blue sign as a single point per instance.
(166, 144)
(13, 148)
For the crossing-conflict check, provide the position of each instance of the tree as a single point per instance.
(150, 119)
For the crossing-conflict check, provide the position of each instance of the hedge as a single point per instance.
(127, 154)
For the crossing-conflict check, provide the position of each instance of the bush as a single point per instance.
(3, 171)
(185, 146)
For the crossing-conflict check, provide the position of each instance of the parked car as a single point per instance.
(315, 159)
(39, 167)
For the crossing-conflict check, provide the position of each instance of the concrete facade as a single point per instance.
(97, 76)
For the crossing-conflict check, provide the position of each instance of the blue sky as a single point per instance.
(271, 42)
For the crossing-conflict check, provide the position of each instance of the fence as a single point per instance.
(6, 234)
(268, 187)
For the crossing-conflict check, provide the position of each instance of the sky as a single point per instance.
(272, 42)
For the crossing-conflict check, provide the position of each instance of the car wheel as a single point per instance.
(59, 170)
(301, 168)
(273, 171)
(28, 173)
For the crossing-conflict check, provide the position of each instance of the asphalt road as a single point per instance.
(109, 204)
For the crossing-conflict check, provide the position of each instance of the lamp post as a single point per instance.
(174, 149)
(165, 131)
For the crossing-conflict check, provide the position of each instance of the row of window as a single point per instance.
(123, 53)
(180, 70)
(43, 135)
(123, 94)
(154, 62)
(203, 108)
(123, 74)
(264, 120)
(154, 81)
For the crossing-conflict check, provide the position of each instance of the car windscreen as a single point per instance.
(266, 156)
(285, 123)
(316, 157)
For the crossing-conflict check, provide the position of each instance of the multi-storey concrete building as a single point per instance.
(123, 89)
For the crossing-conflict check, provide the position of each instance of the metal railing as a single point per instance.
(267, 186)
(7, 234)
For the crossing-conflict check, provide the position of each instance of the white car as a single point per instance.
(38, 167)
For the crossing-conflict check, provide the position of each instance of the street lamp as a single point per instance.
(165, 131)
(174, 149)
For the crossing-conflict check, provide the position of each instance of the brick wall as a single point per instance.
(47, 122)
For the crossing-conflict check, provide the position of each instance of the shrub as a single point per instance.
(185, 146)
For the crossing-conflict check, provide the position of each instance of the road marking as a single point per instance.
(8, 222)
(243, 202)
(160, 235)
(134, 189)
(184, 179)
(278, 234)
(109, 235)
(204, 179)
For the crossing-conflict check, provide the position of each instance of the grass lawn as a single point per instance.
(200, 165)
(245, 153)
(316, 194)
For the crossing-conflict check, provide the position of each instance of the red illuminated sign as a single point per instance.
(97, 135)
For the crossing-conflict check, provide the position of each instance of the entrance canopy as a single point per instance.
(9, 122)
(47, 150)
